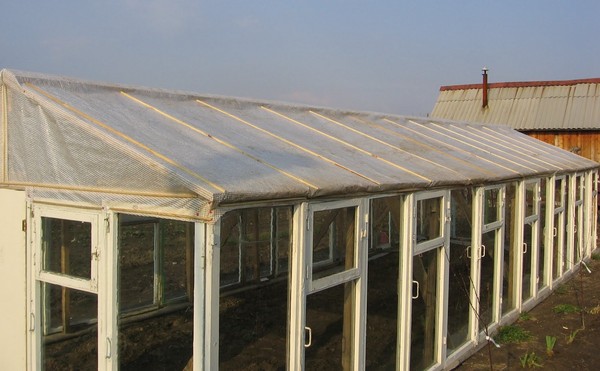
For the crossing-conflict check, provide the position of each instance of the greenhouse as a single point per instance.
(161, 229)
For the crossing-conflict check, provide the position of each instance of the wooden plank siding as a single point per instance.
(584, 143)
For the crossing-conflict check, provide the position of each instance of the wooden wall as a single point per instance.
(584, 143)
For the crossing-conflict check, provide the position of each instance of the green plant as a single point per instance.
(566, 309)
(525, 316)
(596, 256)
(550, 343)
(512, 334)
(561, 290)
(530, 360)
(572, 335)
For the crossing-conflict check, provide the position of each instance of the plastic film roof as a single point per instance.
(185, 153)
(538, 105)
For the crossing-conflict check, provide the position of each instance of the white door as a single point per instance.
(64, 289)
(330, 317)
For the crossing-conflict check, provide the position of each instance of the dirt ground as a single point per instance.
(577, 333)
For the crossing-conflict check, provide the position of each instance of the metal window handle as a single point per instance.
(308, 331)
(482, 251)
(416, 283)
(554, 232)
(524, 247)
(468, 252)
(108, 348)
(31, 322)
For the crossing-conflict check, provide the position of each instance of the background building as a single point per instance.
(563, 113)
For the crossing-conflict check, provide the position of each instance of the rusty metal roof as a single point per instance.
(536, 105)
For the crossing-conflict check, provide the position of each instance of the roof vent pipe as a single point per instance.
(485, 87)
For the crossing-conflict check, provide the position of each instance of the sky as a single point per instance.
(383, 56)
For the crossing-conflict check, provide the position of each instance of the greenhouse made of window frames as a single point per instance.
(154, 229)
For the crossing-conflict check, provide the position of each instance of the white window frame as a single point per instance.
(408, 249)
(97, 284)
(302, 285)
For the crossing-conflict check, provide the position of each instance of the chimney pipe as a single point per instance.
(485, 87)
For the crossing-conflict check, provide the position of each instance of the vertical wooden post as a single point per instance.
(349, 239)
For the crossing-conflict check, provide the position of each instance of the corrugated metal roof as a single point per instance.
(66, 134)
(538, 105)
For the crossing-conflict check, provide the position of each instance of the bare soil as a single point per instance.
(577, 334)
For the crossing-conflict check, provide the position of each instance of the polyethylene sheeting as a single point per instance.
(186, 154)
(188, 209)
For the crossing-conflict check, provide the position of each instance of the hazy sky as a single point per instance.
(385, 56)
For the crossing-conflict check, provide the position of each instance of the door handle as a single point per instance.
(416, 283)
(308, 331)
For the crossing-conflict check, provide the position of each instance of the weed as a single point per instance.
(525, 316)
(595, 310)
(572, 335)
(530, 360)
(561, 290)
(566, 309)
(596, 256)
(512, 334)
(550, 343)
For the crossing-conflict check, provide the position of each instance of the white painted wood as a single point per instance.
(199, 343)
(407, 236)
(298, 279)
(13, 278)
(211, 316)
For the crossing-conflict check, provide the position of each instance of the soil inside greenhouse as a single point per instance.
(571, 314)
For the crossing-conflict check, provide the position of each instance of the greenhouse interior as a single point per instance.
(161, 229)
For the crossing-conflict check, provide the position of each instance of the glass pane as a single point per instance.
(542, 269)
(459, 301)
(334, 241)
(510, 246)
(67, 247)
(137, 239)
(578, 188)
(256, 243)
(491, 205)
(531, 197)
(530, 243)
(385, 214)
(231, 247)
(178, 258)
(258, 240)
(329, 315)
(382, 311)
(155, 268)
(486, 288)
(578, 228)
(558, 193)
(283, 238)
(69, 340)
(557, 243)
(252, 328)
(424, 310)
(253, 315)
(429, 219)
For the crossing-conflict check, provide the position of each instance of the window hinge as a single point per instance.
(107, 222)
(24, 225)
(308, 223)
